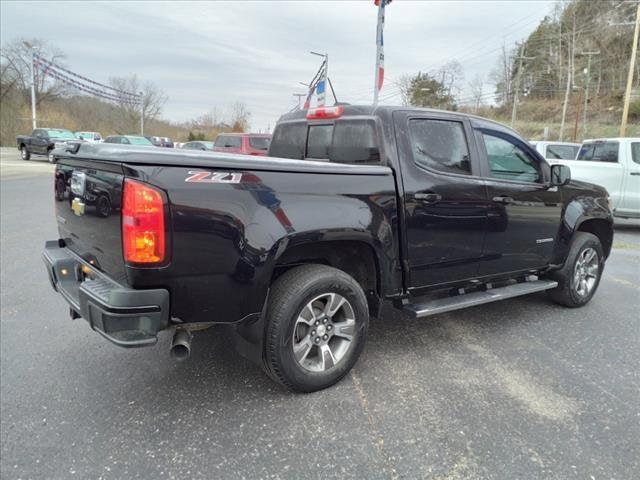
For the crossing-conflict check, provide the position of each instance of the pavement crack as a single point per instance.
(378, 438)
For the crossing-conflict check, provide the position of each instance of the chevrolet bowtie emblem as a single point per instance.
(77, 206)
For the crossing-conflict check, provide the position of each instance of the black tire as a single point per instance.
(567, 292)
(288, 297)
(103, 206)
(60, 189)
(24, 153)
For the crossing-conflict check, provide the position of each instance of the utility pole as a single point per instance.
(586, 92)
(33, 84)
(521, 57)
(141, 115)
(569, 79)
(564, 106)
(575, 126)
(627, 94)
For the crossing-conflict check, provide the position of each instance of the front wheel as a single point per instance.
(580, 276)
(24, 153)
(317, 320)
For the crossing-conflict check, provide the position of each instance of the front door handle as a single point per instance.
(503, 199)
(635, 173)
(428, 197)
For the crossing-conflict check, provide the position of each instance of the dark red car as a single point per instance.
(244, 143)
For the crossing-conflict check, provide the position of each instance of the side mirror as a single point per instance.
(560, 175)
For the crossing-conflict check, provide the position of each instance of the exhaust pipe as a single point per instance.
(181, 345)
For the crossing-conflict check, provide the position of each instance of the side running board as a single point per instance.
(457, 302)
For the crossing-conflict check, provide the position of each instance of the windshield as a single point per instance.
(562, 152)
(62, 134)
(260, 143)
(139, 141)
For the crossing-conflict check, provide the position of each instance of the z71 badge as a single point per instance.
(213, 177)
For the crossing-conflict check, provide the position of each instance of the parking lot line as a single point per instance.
(622, 281)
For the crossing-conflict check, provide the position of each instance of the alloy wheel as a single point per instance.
(586, 271)
(323, 333)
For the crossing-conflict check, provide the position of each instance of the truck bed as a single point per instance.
(176, 157)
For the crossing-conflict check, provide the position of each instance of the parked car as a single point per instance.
(613, 163)
(128, 140)
(431, 211)
(198, 145)
(89, 136)
(43, 141)
(156, 141)
(557, 150)
(243, 143)
(161, 141)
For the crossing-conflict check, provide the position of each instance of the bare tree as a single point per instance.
(501, 76)
(153, 100)
(476, 86)
(17, 57)
(239, 117)
(404, 84)
(451, 75)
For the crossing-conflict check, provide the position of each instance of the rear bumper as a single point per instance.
(124, 316)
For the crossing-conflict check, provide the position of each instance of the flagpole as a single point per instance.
(322, 95)
(379, 72)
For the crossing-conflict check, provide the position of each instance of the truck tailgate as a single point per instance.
(88, 198)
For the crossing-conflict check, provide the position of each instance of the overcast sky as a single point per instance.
(207, 55)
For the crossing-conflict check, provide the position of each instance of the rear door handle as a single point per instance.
(635, 173)
(428, 197)
(503, 199)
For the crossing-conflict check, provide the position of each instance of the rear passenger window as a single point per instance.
(440, 145)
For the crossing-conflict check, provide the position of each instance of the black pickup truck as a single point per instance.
(429, 210)
(43, 141)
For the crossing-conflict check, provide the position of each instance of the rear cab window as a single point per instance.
(341, 141)
(599, 151)
(228, 141)
(259, 143)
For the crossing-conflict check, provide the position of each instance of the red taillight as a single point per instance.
(324, 112)
(143, 235)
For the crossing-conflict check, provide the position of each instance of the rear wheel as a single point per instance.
(317, 320)
(579, 278)
(24, 153)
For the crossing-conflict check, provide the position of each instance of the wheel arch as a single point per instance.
(601, 228)
(358, 258)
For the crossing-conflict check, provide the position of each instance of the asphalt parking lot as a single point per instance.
(516, 389)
